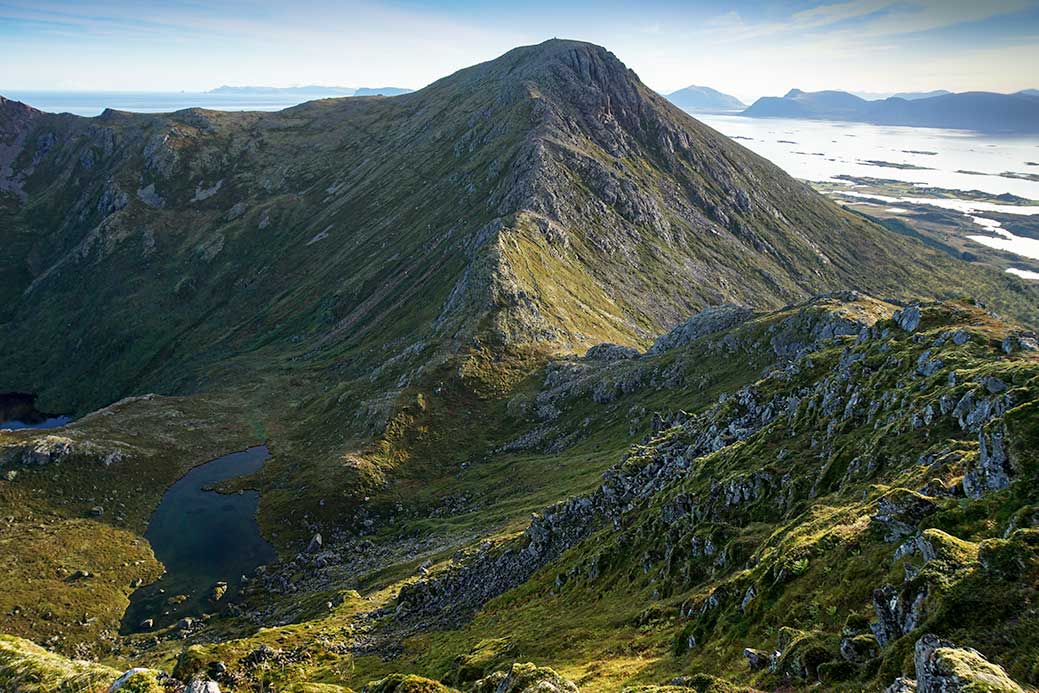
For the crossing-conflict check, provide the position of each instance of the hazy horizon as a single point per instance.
(742, 48)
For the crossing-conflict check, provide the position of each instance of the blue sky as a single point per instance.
(746, 48)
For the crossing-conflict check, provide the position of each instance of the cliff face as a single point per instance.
(16, 122)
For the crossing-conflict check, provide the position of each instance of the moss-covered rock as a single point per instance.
(942, 667)
(407, 683)
(802, 653)
(138, 681)
(1011, 557)
(705, 683)
(525, 678)
(486, 657)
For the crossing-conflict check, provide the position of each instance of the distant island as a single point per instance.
(381, 91)
(907, 95)
(980, 111)
(704, 100)
(309, 90)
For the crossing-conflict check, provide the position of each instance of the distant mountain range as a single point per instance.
(310, 90)
(907, 95)
(704, 100)
(983, 111)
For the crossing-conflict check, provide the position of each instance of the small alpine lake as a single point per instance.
(206, 540)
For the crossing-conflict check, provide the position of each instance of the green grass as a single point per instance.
(812, 552)
(28, 668)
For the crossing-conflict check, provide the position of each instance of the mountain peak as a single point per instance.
(556, 49)
(556, 62)
(704, 99)
(12, 109)
(551, 200)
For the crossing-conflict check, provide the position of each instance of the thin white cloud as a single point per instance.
(825, 15)
(861, 44)
(870, 19)
(928, 15)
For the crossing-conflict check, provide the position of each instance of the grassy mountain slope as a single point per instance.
(512, 200)
(848, 486)
(390, 293)
(868, 487)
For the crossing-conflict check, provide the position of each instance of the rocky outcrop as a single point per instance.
(1020, 342)
(899, 512)
(798, 655)
(908, 318)
(710, 320)
(836, 397)
(46, 450)
(898, 611)
(610, 352)
(991, 471)
(464, 587)
(942, 667)
(53, 449)
(202, 686)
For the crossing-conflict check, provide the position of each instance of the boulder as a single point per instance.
(901, 685)
(859, 648)
(942, 667)
(994, 385)
(202, 686)
(315, 544)
(1020, 343)
(908, 318)
(138, 680)
(757, 659)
